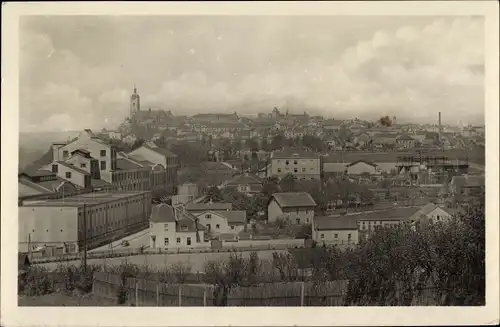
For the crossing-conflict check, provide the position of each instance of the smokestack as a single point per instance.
(439, 133)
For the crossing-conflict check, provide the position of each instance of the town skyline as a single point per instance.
(409, 67)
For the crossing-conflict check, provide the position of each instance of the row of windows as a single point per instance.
(337, 236)
(166, 241)
(66, 153)
(296, 162)
(296, 170)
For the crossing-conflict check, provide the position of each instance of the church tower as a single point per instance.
(135, 103)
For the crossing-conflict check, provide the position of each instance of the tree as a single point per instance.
(393, 266)
(252, 144)
(288, 183)
(385, 121)
(180, 271)
(138, 143)
(270, 186)
(214, 194)
(277, 142)
(286, 266)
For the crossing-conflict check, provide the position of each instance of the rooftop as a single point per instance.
(392, 214)
(234, 217)
(294, 199)
(295, 153)
(81, 199)
(208, 206)
(162, 213)
(72, 167)
(335, 223)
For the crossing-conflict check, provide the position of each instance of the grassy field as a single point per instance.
(65, 300)
(195, 260)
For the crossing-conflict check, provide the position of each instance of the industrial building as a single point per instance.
(58, 224)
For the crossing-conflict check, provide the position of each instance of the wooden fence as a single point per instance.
(141, 292)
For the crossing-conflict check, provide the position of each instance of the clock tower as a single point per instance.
(135, 103)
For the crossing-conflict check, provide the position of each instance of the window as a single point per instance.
(295, 162)
(232, 227)
(303, 169)
(348, 236)
(298, 220)
(307, 220)
(217, 226)
(287, 162)
(184, 228)
(295, 170)
(188, 241)
(83, 165)
(208, 227)
(322, 235)
(438, 217)
(336, 235)
(208, 216)
(65, 153)
(297, 211)
(103, 153)
(68, 174)
(166, 227)
(55, 168)
(279, 170)
(103, 165)
(178, 240)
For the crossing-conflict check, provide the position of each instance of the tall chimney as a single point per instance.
(439, 133)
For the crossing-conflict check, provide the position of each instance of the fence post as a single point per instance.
(205, 296)
(302, 294)
(157, 293)
(136, 292)
(180, 295)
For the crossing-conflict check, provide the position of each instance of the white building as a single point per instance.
(172, 228)
(223, 222)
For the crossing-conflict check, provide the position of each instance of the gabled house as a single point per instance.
(361, 167)
(223, 222)
(335, 230)
(246, 183)
(174, 228)
(432, 213)
(467, 185)
(296, 206)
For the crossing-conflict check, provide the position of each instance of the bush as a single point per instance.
(39, 282)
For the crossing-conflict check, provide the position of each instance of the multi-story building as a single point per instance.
(301, 164)
(174, 228)
(64, 223)
(159, 156)
(298, 207)
(95, 147)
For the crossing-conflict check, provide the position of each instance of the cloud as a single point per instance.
(411, 70)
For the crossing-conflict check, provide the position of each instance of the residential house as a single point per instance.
(223, 222)
(174, 228)
(467, 185)
(246, 183)
(75, 175)
(296, 206)
(335, 230)
(362, 139)
(384, 140)
(405, 141)
(43, 182)
(359, 167)
(432, 213)
(301, 164)
(332, 125)
(383, 219)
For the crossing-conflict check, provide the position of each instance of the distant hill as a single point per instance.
(32, 146)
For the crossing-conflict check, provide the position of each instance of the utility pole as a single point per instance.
(85, 237)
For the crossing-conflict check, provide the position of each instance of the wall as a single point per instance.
(438, 212)
(305, 215)
(306, 168)
(342, 236)
(360, 168)
(278, 243)
(78, 161)
(47, 225)
(115, 219)
(273, 211)
(76, 178)
(132, 179)
(84, 141)
(161, 231)
(372, 224)
(211, 223)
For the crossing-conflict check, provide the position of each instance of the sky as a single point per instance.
(79, 71)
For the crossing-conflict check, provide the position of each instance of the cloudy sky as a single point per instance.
(79, 71)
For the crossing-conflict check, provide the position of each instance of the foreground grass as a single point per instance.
(64, 300)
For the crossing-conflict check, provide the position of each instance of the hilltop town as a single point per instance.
(164, 183)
